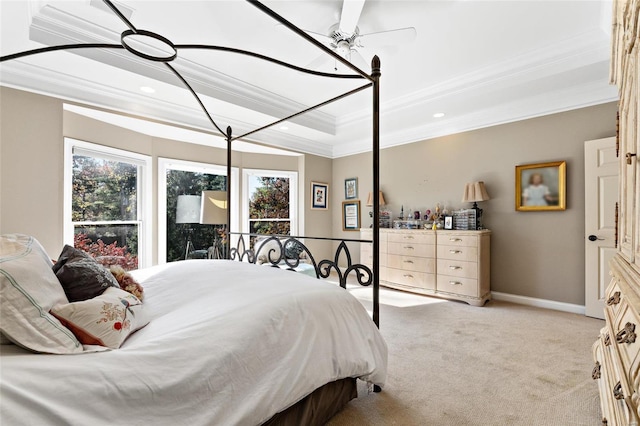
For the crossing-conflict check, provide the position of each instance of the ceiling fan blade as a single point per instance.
(319, 62)
(388, 38)
(359, 61)
(322, 38)
(351, 10)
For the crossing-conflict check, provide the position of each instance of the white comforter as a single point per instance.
(229, 343)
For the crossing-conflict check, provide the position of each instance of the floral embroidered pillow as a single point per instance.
(106, 320)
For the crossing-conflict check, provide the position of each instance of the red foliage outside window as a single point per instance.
(106, 254)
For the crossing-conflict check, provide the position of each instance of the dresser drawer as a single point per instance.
(464, 253)
(457, 285)
(457, 239)
(411, 278)
(625, 338)
(412, 249)
(366, 257)
(412, 263)
(457, 268)
(417, 237)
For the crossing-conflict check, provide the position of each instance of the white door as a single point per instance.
(601, 195)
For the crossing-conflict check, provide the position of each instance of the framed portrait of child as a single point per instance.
(541, 186)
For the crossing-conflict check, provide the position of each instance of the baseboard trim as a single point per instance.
(539, 303)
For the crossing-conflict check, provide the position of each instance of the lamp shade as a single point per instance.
(213, 210)
(370, 199)
(475, 191)
(188, 209)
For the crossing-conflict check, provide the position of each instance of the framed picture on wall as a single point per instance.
(541, 186)
(351, 215)
(351, 188)
(319, 195)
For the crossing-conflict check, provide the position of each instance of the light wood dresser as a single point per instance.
(617, 351)
(449, 264)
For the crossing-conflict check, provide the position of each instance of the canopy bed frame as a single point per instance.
(342, 390)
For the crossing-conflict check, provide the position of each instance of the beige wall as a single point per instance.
(535, 254)
(31, 160)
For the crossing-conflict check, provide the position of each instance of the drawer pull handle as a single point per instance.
(607, 339)
(617, 391)
(627, 334)
(595, 374)
(454, 239)
(408, 247)
(408, 276)
(455, 251)
(455, 267)
(614, 300)
(455, 283)
(408, 261)
(408, 237)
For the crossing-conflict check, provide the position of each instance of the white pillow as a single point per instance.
(106, 320)
(28, 290)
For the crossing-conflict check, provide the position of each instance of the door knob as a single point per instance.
(594, 238)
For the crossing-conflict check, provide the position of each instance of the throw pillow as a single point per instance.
(126, 281)
(81, 276)
(106, 320)
(28, 290)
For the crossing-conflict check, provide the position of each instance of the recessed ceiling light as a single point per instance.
(147, 89)
(284, 128)
(438, 115)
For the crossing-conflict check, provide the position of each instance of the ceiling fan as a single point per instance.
(345, 39)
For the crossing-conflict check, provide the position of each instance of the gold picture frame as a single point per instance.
(541, 186)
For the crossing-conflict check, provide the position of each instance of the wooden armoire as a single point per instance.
(617, 350)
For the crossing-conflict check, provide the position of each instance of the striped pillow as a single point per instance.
(28, 291)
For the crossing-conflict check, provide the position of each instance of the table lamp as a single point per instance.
(188, 211)
(381, 201)
(213, 211)
(474, 192)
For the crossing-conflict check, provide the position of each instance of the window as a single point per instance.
(177, 241)
(106, 211)
(271, 202)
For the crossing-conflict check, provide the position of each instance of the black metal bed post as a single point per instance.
(227, 245)
(375, 73)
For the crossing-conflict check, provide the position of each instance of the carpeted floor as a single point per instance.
(501, 364)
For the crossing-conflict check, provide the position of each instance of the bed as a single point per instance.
(226, 342)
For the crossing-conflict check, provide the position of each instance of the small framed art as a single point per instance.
(319, 195)
(541, 186)
(351, 189)
(448, 222)
(351, 215)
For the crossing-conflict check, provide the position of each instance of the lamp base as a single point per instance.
(478, 215)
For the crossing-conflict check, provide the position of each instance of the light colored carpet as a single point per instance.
(501, 364)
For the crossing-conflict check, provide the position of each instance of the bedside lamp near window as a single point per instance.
(213, 211)
(188, 211)
(473, 193)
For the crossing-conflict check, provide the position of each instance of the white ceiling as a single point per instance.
(482, 63)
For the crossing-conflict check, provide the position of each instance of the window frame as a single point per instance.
(144, 192)
(293, 195)
(165, 164)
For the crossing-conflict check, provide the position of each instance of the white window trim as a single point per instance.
(165, 164)
(293, 195)
(144, 195)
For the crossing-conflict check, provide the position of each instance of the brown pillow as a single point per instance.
(81, 276)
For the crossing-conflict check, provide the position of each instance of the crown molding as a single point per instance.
(572, 53)
(53, 26)
(24, 76)
(574, 97)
